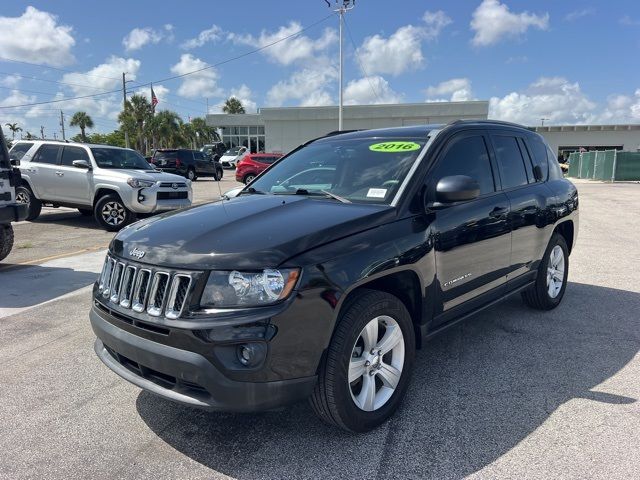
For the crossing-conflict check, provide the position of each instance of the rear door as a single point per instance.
(204, 164)
(472, 240)
(527, 201)
(74, 184)
(44, 172)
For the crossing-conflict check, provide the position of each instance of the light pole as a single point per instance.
(542, 120)
(341, 7)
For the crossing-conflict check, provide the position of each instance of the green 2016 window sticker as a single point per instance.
(394, 147)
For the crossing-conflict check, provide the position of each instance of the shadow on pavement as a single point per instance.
(477, 391)
(70, 218)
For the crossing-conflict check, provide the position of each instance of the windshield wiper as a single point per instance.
(321, 193)
(336, 197)
(252, 191)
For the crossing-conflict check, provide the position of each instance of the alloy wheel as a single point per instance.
(555, 271)
(22, 197)
(376, 363)
(113, 213)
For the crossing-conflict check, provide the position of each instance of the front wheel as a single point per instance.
(111, 213)
(25, 195)
(365, 373)
(551, 280)
(6, 241)
(191, 175)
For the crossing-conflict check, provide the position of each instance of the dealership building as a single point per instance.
(283, 129)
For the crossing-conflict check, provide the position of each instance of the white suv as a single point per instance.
(111, 183)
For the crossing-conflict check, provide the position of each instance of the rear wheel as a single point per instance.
(249, 178)
(6, 241)
(111, 214)
(551, 280)
(191, 174)
(25, 195)
(366, 370)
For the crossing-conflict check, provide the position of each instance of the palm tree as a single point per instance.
(166, 127)
(83, 121)
(14, 128)
(233, 105)
(136, 118)
(204, 132)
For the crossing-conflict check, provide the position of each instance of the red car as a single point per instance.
(253, 164)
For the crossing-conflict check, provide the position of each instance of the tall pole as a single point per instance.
(124, 107)
(343, 6)
(340, 103)
(62, 124)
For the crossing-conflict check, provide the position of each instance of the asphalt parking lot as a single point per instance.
(511, 393)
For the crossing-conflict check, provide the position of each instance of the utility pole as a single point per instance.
(62, 124)
(55, 135)
(542, 120)
(342, 7)
(205, 116)
(42, 131)
(124, 107)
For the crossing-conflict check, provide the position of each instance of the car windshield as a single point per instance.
(233, 151)
(363, 170)
(120, 158)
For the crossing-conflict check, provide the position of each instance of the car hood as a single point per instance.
(247, 232)
(153, 175)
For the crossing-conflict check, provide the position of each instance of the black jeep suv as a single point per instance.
(326, 273)
(188, 163)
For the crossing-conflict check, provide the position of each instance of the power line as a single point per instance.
(31, 77)
(364, 72)
(54, 68)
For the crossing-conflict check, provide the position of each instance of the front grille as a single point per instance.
(172, 195)
(171, 184)
(156, 292)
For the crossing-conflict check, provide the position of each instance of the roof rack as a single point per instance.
(489, 122)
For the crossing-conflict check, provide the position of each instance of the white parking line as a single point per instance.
(26, 288)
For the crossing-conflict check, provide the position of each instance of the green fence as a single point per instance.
(609, 165)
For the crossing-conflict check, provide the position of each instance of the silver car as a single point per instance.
(113, 184)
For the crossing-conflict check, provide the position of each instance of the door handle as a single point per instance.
(60, 174)
(498, 212)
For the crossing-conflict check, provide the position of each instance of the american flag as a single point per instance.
(154, 99)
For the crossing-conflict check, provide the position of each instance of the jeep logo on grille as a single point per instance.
(174, 186)
(137, 253)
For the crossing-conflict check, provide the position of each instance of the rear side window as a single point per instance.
(47, 154)
(555, 172)
(18, 151)
(170, 155)
(510, 161)
(467, 156)
(186, 155)
(539, 153)
(69, 154)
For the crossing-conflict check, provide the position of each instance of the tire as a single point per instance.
(25, 195)
(249, 178)
(343, 404)
(6, 240)
(86, 212)
(191, 174)
(542, 295)
(109, 221)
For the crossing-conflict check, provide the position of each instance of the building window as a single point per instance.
(251, 137)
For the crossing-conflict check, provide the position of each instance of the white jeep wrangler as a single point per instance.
(10, 211)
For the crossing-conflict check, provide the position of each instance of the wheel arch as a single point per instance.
(567, 230)
(102, 191)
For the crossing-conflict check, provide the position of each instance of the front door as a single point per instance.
(43, 171)
(74, 184)
(472, 240)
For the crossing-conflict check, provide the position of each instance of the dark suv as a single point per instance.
(326, 273)
(188, 163)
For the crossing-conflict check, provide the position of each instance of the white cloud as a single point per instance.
(555, 99)
(106, 76)
(299, 48)
(244, 94)
(10, 81)
(139, 37)
(435, 23)
(578, 14)
(308, 86)
(621, 109)
(456, 89)
(200, 84)
(493, 21)
(627, 21)
(402, 50)
(37, 37)
(370, 90)
(209, 35)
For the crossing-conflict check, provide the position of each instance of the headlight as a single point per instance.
(137, 183)
(248, 289)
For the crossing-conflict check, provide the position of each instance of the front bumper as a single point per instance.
(146, 200)
(185, 376)
(14, 212)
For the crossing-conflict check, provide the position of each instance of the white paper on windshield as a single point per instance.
(377, 193)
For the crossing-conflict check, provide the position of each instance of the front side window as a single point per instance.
(510, 161)
(119, 158)
(47, 154)
(360, 170)
(18, 150)
(467, 156)
(69, 154)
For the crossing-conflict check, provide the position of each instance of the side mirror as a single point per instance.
(457, 188)
(82, 164)
(537, 173)
(15, 162)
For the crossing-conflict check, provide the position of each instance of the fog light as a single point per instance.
(141, 198)
(251, 354)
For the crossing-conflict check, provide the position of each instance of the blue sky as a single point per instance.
(567, 62)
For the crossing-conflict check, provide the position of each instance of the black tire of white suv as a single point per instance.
(6, 241)
(111, 213)
(25, 195)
